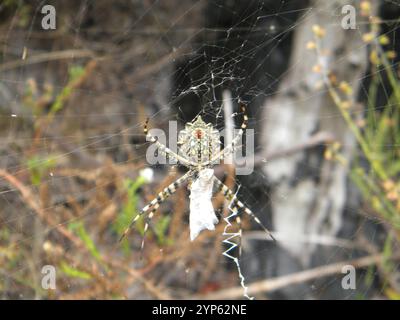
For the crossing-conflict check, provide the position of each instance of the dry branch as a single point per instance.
(48, 56)
(273, 284)
(30, 199)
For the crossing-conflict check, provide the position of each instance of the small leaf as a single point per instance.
(73, 272)
(79, 228)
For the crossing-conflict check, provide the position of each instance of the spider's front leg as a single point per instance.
(231, 147)
(239, 206)
(155, 203)
(164, 148)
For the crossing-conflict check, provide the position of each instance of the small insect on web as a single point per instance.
(199, 151)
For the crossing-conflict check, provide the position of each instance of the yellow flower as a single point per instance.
(328, 155)
(365, 7)
(317, 68)
(388, 185)
(336, 146)
(311, 45)
(392, 195)
(391, 54)
(384, 40)
(374, 58)
(345, 104)
(345, 88)
(332, 78)
(318, 31)
(368, 37)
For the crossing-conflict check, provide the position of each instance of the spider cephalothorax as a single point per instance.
(199, 141)
(199, 150)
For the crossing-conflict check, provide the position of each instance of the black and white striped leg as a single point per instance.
(148, 221)
(230, 196)
(163, 195)
(164, 149)
(239, 223)
(230, 148)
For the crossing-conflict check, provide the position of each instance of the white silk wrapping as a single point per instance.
(202, 214)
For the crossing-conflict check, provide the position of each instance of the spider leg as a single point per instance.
(164, 148)
(230, 196)
(161, 197)
(230, 148)
(239, 222)
(148, 220)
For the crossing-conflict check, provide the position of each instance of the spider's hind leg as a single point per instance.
(155, 203)
(240, 232)
(230, 196)
(146, 225)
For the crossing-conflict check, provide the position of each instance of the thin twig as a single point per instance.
(48, 56)
(155, 67)
(305, 238)
(321, 137)
(260, 158)
(30, 199)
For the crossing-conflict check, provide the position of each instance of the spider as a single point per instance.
(199, 151)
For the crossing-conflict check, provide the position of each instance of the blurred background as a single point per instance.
(321, 83)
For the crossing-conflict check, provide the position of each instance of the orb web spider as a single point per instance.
(199, 150)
